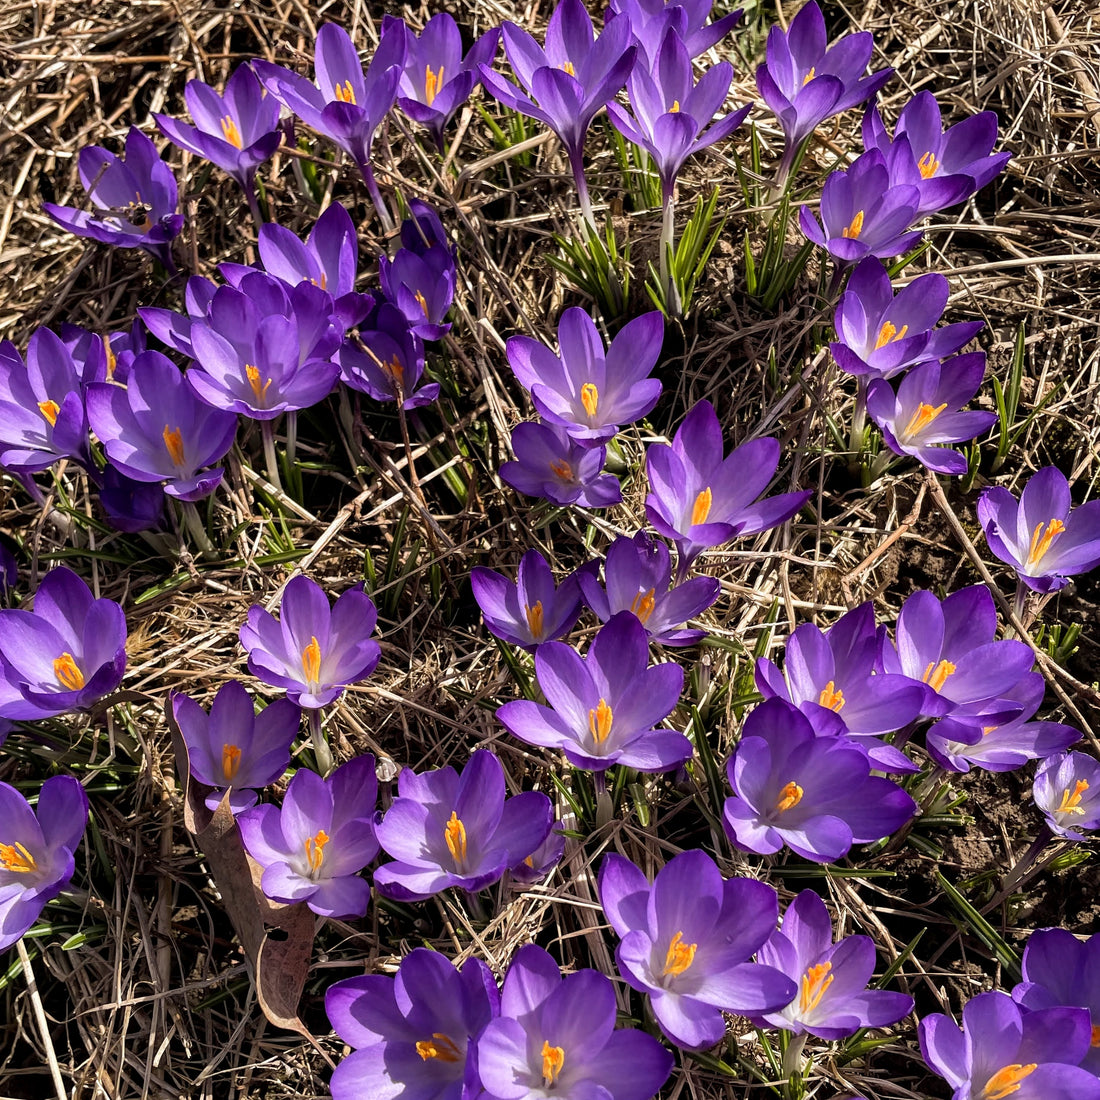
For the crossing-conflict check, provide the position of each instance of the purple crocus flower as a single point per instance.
(237, 131)
(1003, 1050)
(233, 749)
(1061, 971)
(1040, 535)
(565, 84)
(833, 1000)
(413, 1034)
(862, 215)
(950, 647)
(686, 941)
(829, 676)
(700, 498)
(328, 259)
(1005, 746)
(315, 649)
(42, 415)
(36, 853)
(445, 829)
(946, 166)
(174, 329)
(532, 609)
(556, 1037)
(536, 866)
(638, 572)
(927, 411)
(586, 390)
(814, 794)
(422, 286)
(550, 463)
(387, 361)
(64, 655)
(805, 82)
(345, 103)
(437, 79)
(130, 505)
(155, 428)
(672, 114)
(651, 19)
(313, 849)
(106, 357)
(134, 199)
(422, 229)
(880, 333)
(260, 361)
(604, 707)
(1061, 790)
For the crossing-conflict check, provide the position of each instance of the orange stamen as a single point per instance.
(423, 303)
(855, 228)
(928, 166)
(14, 857)
(815, 982)
(553, 1058)
(888, 333)
(1041, 538)
(311, 661)
(701, 508)
(1071, 803)
(789, 796)
(314, 847)
(253, 375)
(534, 619)
(935, 676)
(67, 673)
(679, 956)
(231, 761)
(560, 468)
(344, 92)
(920, 420)
(231, 133)
(642, 605)
(49, 409)
(568, 68)
(1007, 1080)
(590, 398)
(173, 444)
(432, 83)
(831, 698)
(599, 722)
(454, 833)
(675, 108)
(439, 1046)
(809, 76)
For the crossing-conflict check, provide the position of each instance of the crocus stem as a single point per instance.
(254, 206)
(600, 780)
(668, 233)
(291, 436)
(376, 196)
(1019, 868)
(196, 529)
(859, 422)
(267, 432)
(579, 178)
(1019, 604)
(477, 909)
(792, 1059)
(321, 752)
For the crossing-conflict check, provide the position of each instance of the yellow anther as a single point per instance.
(344, 92)
(815, 982)
(14, 857)
(789, 796)
(1071, 803)
(701, 508)
(1041, 538)
(928, 166)
(454, 832)
(809, 76)
(253, 375)
(173, 444)
(553, 1058)
(855, 227)
(422, 302)
(679, 955)
(529, 861)
(112, 359)
(831, 698)
(315, 853)
(935, 675)
(49, 409)
(534, 619)
(642, 605)
(888, 333)
(311, 661)
(396, 371)
(675, 108)
(439, 1046)
(920, 420)
(231, 761)
(1095, 1036)
(560, 468)
(432, 83)
(568, 68)
(590, 398)
(67, 673)
(599, 722)
(231, 133)
(323, 284)
(1007, 1080)
(987, 730)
